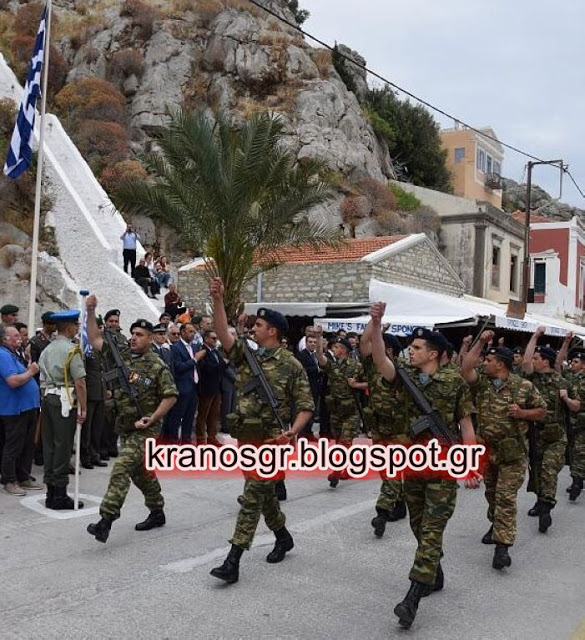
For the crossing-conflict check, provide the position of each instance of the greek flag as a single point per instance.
(20, 152)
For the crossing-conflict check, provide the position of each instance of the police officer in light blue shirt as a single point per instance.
(129, 241)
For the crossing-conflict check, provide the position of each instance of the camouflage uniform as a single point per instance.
(342, 399)
(505, 440)
(109, 439)
(551, 440)
(256, 423)
(387, 427)
(153, 381)
(577, 453)
(431, 498)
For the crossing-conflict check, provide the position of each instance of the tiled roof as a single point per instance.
(520, 216)
(350, 250)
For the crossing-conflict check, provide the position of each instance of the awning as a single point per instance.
(311, 309)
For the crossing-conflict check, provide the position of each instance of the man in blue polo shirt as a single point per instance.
(19, 404)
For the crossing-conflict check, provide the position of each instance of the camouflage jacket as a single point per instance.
(287, 378)
(549, 384)
(493, 422)
(577, 382)
(153, 381)
(338, 373)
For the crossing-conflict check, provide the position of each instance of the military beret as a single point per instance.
(142, 324)
(434, 337)
(344, 342)
(110, 313)
(274, 318)
(9, 308)
(519, 351)
(392, 342)
(63, 317)
(47, 318)
(159, 328)
(577, 353)
(504, 354)
(547, 353)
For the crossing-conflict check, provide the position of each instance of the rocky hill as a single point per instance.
(514, 199)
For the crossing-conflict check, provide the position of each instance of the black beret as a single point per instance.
(434, 337)
(504, 354)
(111, 312)
(9, 308)
(344, 342)
(577, 353)
(274, 318)
(519, 351)
(159, 328)
(141, 324)
(47, 318)
(547, 353)
(392, 342)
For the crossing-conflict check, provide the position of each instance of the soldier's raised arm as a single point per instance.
(471, 358)
(220, 323)
(366, 341)
(527, 365)
(321, 357)
(94, 334)
(383, 363)
(563, 353)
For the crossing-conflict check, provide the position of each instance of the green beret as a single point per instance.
(9, 308)
(142, 324)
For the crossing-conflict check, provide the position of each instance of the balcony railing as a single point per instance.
(493, 181)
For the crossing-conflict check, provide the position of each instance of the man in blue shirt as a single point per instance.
(129, 241)
(19, 404)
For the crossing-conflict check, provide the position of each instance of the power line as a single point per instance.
(404, 91)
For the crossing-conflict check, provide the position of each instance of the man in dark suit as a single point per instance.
(308, 358)
(160, 345)
(186, 375)
(210, 367)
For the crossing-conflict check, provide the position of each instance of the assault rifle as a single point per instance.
(261, 386)
(532, 486)
(568, 419)
(120, 374)
(430, 420)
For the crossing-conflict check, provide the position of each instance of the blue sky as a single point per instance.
(515, 65)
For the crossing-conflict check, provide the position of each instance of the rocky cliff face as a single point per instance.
(514, 198)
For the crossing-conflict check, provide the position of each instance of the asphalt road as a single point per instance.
(338, 582)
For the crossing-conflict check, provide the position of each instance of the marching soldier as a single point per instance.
(346, 377)
(255, 422)
(430, 497)
(64, 404)
(505, 404)
(136, 420)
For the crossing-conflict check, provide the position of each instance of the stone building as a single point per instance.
(334, 276)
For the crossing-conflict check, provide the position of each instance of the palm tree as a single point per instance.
(236, 196)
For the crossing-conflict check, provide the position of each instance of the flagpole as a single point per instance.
(37, 215)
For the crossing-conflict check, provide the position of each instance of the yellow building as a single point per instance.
(475, 163)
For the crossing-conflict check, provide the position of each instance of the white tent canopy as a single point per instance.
(408, 308)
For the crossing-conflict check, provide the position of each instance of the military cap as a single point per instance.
(392, 342)
(577, 353)
(344, 342)
(65, 317)
(519, 351)
(142, 324)
(47, 318)
(434, 337)
(547, 353)
(504, 354)
(9, 308)
(159, 328)
(274, 318)
(110, 313)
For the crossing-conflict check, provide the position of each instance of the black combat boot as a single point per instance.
(156, 518)
(230, 569)
(61, 501)
(399, 511)
(333, 479)
(379, 522)
(544, 519)
(49, 497)
(439, 583)
(280, 490)
(535, 511)
(501, 557)
(284, 543)
(487, 538)
(101, 530)
(575, 489)
(406, 610)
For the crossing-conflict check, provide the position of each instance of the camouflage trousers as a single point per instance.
(550, 459)
(129, 467)
(578, 455)
(258, 499)
(344, 428)
(502, 483)
(391, 490)
(431, 502)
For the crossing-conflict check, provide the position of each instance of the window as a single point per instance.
(514, 273)
(459, 155)
(496, 257)
(481, 160)
(488, 164)
(539, 277)
(497, 168)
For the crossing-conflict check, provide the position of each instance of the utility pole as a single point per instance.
(526, 274)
